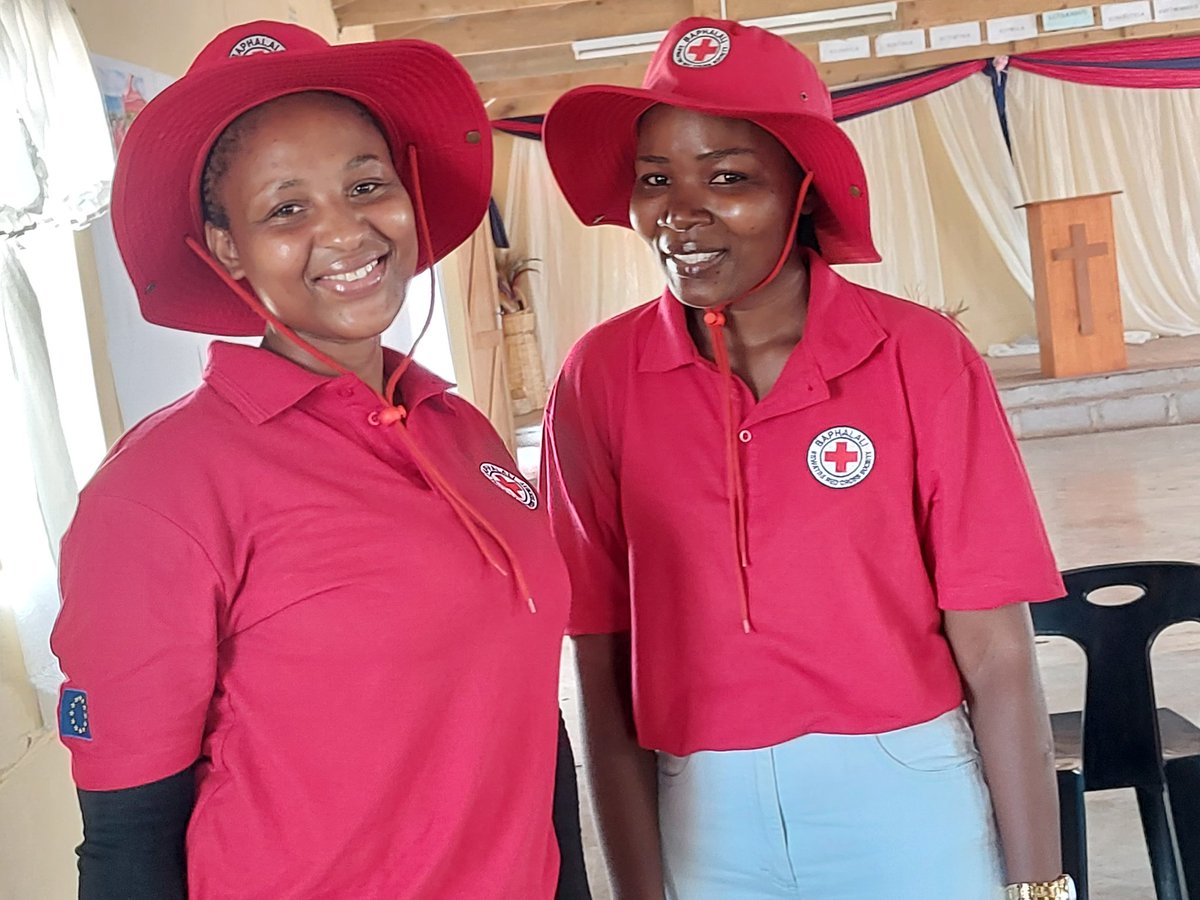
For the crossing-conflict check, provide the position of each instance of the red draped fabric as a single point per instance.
(1161, 63)
(859, 101)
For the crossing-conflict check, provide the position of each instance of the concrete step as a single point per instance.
(1113, 402)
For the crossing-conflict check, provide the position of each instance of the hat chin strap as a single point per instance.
(714, 319)
(394, 414)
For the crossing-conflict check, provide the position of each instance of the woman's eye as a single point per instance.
(655, 180)
(285, 211)
(364, 188)
(728, 178)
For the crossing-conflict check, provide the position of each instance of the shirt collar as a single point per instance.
(839, 333)
(261, 384)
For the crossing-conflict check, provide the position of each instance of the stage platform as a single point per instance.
(1160, 387)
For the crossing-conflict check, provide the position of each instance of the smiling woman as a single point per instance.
(302, 200)
(771, 486)
(311, 619)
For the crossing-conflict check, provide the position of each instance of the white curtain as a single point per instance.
(56, 165)
(945, 193)
(969, 128)
(902, 215)
(1072, 139)
(586, 275)
(56, 157)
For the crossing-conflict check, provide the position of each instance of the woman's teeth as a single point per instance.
(357, 274)
(694, 259)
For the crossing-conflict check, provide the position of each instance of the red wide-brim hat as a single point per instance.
(718, 68)
(419, 94)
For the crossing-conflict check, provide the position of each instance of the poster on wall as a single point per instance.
(126, 89)
(151, 366)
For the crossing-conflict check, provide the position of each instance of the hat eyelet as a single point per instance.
(855, 191)
(804, 96)
(474, 137)
(151, 287)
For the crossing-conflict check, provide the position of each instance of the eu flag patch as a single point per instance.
(73, 721)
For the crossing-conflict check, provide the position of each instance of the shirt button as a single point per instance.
(373, 417)
(744, 436)
(346, 390)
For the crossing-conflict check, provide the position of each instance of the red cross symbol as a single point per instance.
(701, 50)
(842, 457)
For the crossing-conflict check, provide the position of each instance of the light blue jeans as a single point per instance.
(903, 815)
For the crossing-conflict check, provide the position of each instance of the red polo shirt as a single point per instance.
(882, 486)
(260, 578)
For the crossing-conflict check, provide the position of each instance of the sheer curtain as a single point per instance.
(944, 191)
(55, 175)
(944, 196)
(902, 215)
(55, 154)
(1072, 139)
(586, 275)
(969, 129)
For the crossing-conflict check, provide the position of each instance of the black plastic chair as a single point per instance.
(1121, 739)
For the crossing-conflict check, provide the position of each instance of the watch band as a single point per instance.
(1061, 888)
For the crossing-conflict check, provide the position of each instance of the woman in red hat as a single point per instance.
(798, 528)
(311, 615)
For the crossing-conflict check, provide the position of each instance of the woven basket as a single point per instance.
(526, 378)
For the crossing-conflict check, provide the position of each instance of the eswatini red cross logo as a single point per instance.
(513, 485)
(842, 457)
(702, 50)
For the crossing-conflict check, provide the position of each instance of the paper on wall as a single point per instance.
(900, 43)
(962, 34)
(1012, 28)
(1123, 15)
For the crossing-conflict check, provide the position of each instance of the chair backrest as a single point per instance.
(1121, 745)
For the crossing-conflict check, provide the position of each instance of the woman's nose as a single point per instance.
(342, 225)
(683, 210)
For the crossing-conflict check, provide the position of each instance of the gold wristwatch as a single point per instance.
(1061, 888)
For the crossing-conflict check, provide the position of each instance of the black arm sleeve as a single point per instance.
(133, 840)
(572, 875)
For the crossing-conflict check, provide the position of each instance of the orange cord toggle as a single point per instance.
(392, 414)
(714, 318)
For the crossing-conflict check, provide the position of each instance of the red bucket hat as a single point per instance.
(419, 94)
(719, 68)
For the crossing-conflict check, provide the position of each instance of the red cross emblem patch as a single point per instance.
(841, 457)
(513, 485)
(701, 48)
(256, 44)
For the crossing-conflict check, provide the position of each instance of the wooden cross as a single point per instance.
(1079, 253)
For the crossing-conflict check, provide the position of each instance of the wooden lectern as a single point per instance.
(1076, 292)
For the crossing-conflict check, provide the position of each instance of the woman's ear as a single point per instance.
(809, 206)
(221, 245)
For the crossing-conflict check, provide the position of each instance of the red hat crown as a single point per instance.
(714, 62)
(253, 39)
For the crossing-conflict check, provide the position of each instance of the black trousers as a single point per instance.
(572, 875)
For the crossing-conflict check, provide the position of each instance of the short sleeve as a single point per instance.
(579, 482)
(137, 639)
(984, 539)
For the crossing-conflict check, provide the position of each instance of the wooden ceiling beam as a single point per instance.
(522, 29)
(520, 97)
(540, 61)
(511, 107)
(628, 74)
(384, 12)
